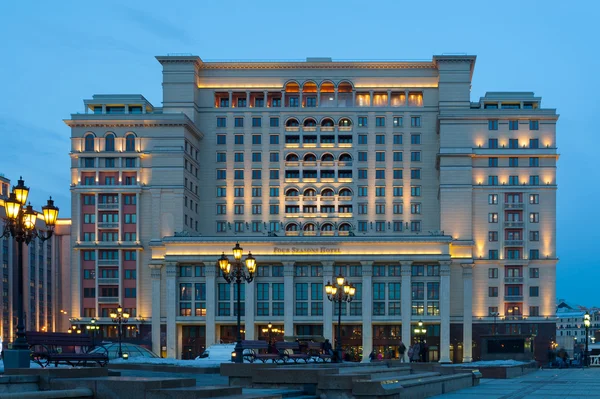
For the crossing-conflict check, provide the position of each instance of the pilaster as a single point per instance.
(367, 308)
(288, 286)
(249, 310)
(327, 305)
(406, 310)
(445, 312)
(467, 274)
(155, 273)
(210, 272)
(171, 310)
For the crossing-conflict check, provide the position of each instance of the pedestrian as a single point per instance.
(423, 352)
(416, 352)
(327, 349)
(401, 350)
(372, 356)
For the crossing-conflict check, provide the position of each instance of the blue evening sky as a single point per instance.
(54, 54)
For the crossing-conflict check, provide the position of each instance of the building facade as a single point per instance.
(46, 267)
(437, 208)
(570, 329)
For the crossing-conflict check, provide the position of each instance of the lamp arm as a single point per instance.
(44, 235)
(6, 233)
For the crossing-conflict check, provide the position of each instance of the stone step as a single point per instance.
(194, 392)
(55, 394)
(18, 383)
(282, 392)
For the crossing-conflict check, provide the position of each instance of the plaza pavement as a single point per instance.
(541, 384)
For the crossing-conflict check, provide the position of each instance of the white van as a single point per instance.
(220, 352)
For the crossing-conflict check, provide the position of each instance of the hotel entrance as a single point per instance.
(193, 341)
(386, 341)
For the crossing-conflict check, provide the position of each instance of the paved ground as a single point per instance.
(547, 384)
(201, 379)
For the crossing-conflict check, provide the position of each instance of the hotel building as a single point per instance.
(435, 207)
(46, 268)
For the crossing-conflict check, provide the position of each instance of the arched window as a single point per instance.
(327, 227)
(130, 142)
(327, 122)
(310, 122)
(89, 142)
(327, 158)
(109, 144)
(291, 158)
(345, 157)
(292, 122)
(309, 227)
(291, 227)
(292, 192)
(345, 122)
(310, 158)
(345, 192)
(327, 192)
(310, 192)
(344, 227)
(292, 87)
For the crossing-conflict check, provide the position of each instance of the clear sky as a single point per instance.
(54, 54)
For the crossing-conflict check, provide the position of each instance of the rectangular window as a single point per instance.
(380, 191)
(274, 174)
(221, 139)
(534, 161)
(513, 143)
(493, 254)
(398, 174)
(493, 199)
(513, 162)
(534, 143)
(493, 125)
(415, 191)
(534, 311)
(492, 180)
(362, 139)
(239, 122)
(362, 156)
(256, 121)
(379, 156)
(241, 102)
(274, 139)
(256, 157)
(493, 292)
(534, 291)
(256, 139)
(380, 121)
(274, 122)
(256, 174)
(534, 199)
(397, 121)
(221, 122)
(493, 272)
(534, 272)
(415, 174)
(534, 254)
(492, 236)
(534, 217)
(238, 139)
(534, 125)
(534, 236)
(415, 121)
(415, 139)
(513, 180)
(362, 121)
(397, 139)
(380, 174)
(379, 139)
(415, 156)
(493, 217)
(513, 125)
(492, 143)
(534, 180)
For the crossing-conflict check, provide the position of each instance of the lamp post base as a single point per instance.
(17, 358)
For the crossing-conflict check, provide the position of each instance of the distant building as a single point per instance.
(436, 208)
(570, 331)
(46, 268)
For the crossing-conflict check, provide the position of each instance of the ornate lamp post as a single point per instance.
(21, 226)
(495, 314)
(235, 273)
(120, 318)
(340, 292)
(420, 332)
(92, 328)
(586, 324)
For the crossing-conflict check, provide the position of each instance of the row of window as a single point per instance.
(362, 226)
(109, 181)
(362, 209)
(514, 290)
(514, 253)
(513, 199)
(513, 180)
(513, 235)
(514, 311)
(514, 216)
(312, 139)
(514, 124)
(88, 162)
(90, 218)
(514, 271)
(513, 162)
(128, 274)
(109, 292)
(363, 191)
(128, 199)
(514, 144)
(109, 142)
(362, 121)
(108, 254)
(109, 236)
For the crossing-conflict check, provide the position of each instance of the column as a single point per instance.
(230, 99)
(367, 308)
(467, 274)
(370, 98)
(266, 94)
(445, 312)
(300, 97)
(327, 305)
(248, 99)
(353, 98)
(211, 303)
(249, 310)
(335, 95)
(283, 98)
(171, 310)
(405, 290)
(389, 92)
(406, 98)
(288, 306)
(155, 272)
(319, 97)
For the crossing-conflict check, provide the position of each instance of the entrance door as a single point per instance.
(193, 341)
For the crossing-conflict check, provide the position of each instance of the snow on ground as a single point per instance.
(33, 365)
(491, 363)
(173, 362)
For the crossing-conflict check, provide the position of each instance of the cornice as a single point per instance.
(317, 65)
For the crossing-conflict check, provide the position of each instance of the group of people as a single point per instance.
(416, 353)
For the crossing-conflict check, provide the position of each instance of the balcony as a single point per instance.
(108, 299)
(108, 262)
(514, 224)
(108, 206)
(513, 298)
(345, 128)
(513, 280)
(512, 243)
(292, 128)
(512, 205)
(108, 225)
(108, 281)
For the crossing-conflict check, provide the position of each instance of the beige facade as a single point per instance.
(441, 208)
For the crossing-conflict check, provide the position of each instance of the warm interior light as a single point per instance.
(251, 263)
(237, 251)
(340, 280)
(29, 218)
(50, 213)
(21, 191)
(12, 207)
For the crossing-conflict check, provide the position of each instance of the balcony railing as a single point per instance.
(108, 281)
(513, 280)
(108, 206)
(511, 205)
(518, 243)
(108, 262)
(513, 298)
(108, 299)
(514, 224)
(108, 225)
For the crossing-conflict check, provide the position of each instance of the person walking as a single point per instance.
(401, 350)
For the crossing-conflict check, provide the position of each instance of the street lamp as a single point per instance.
(420, 332)
(586, 324)
(238, 274)
(119, 317)
(21, 226)
(92, 328)
(341, 291)
(495, 314)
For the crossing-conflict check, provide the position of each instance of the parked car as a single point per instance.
(221, 352)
